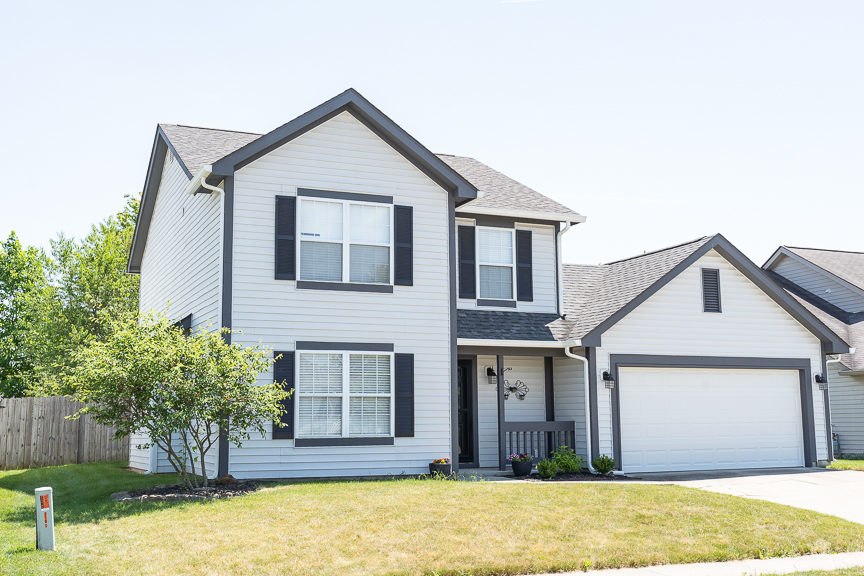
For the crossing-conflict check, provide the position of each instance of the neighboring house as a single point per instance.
(400, 286)
(830, 283)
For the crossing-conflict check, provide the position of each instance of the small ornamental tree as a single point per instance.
(181, 391)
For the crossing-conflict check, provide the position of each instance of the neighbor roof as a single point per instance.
(848, 266)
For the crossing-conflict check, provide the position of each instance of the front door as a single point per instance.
(466, 422)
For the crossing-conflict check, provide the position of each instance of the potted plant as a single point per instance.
(440, 466)
(521, 464)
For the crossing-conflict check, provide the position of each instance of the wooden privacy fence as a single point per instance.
(34, 433)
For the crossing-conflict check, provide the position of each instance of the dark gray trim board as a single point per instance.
(227, 294)
(454, 353)
(752, 272)
(348, 346)
(802, 365)
(355, 441)
(355, 196)
(351, 101)
(503, 221)
(502, 411)
(344, 286)
(497, 303)
(826, 401)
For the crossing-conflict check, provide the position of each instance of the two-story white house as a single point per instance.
(421, 309)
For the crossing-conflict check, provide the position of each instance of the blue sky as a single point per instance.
(661, 121)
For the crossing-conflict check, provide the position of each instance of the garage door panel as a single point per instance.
(704, 419)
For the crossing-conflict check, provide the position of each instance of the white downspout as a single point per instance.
(561, 268)
(587, 404)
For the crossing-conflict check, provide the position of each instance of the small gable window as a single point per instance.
(711, 290)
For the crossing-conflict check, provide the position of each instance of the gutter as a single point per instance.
(200, 181)
(585, 379)
(518, 343)
(530, 215)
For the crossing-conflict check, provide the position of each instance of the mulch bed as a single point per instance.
(577, 477)
(178, 492)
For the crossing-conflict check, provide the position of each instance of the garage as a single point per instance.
(679, 419)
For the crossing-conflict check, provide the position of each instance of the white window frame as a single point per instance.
(346, 392)
(512, 265)
(346, 237)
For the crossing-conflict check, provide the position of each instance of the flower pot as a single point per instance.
(521, 467)
(440, 468)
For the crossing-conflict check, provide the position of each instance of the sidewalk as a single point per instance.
(740, 567)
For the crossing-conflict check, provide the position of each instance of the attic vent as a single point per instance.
(170, 157)
(710, 290)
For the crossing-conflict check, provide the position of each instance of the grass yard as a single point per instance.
(395, 527)
(843, 572)
(847, 465)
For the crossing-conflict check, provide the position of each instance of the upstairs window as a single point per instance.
(343, 241)
(333, 385)
(711, 290)
(495, 257)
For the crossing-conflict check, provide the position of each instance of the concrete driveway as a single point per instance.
(836, 492)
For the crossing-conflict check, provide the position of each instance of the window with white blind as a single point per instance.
(495, 258)
(342, 241)
(331, 385)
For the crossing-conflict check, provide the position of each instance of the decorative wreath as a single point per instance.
(519, 389)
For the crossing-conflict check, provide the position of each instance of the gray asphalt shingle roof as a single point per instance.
(848, 266)
(500, 191)
(199, 147)
(496, 325)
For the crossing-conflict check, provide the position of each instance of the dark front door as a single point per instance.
(466, 412)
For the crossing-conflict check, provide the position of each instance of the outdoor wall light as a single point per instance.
(822, 381)
(491, 376)
(608, 380)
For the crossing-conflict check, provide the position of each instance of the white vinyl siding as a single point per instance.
(344, 155)
(847, 408)
(544, 270)
(820, 283)
(181, 266)
(671, 322)
(568, 377)
(139, 457)
(528, 369)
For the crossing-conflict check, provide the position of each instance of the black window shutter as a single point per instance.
(286, 208)
(467, 270)
(404, 396)
(710, 290)
(404, 249)
(283, 373)
(524, 273)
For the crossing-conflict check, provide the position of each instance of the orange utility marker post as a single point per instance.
(44, 518)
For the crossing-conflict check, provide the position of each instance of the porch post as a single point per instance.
(502, 445)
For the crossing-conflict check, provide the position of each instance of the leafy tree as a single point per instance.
(149, 377)
(86, 287)
(21, 272)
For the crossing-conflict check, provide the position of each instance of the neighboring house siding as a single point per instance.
(847, 408)
(817, 282)
(180, 271)
(671, 322)
(139, 458)
(569, 386)
(343, 155)
(544, 271)
(528, 369)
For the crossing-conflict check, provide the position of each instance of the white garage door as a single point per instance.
(705, 419)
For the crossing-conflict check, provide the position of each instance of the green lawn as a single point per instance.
(395, 527)
(847, 465)
(844, 572)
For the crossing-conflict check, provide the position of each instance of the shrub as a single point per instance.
(604, 464)
(567, 460)
(547, 468)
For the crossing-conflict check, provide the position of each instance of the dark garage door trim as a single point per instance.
(802, 365)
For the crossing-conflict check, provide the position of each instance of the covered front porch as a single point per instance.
(518, 399)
